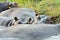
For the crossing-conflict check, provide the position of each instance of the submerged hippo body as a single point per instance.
(33, 32)
(21, 13)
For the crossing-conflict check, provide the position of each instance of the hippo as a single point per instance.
(7, 5)
(27, 16)
(31, 31)
(44, 19)
(41, 19)
(16, 21)
(7, 22)
(23, 14)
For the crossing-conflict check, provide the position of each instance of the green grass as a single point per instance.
(47, 7)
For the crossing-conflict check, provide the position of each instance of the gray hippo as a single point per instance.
(41, 19)
(44, 19)
(31, 31)
(7, 21)
(27, 16)
(7, 5)
(23, 14)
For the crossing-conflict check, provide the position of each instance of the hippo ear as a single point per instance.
(9, 5)
(15, 18)
(29, 19)
(37, 14)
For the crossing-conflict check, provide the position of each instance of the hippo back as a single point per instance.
(3, 6)
(33, 32)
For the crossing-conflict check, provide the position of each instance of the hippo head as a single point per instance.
(16, 21)
(30, 21)
(13, 22)
(12, 5)
(7, 5)
(44, 19)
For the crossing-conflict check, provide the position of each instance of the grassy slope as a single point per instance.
(48, 7)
